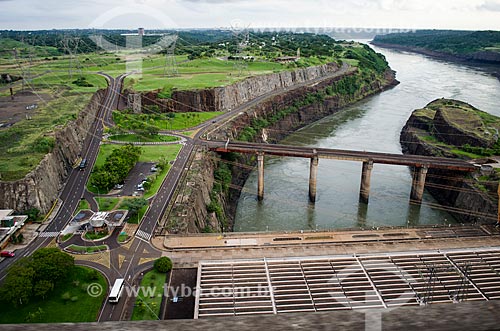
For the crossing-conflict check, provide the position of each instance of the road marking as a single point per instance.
(48, 234)
(143, 235)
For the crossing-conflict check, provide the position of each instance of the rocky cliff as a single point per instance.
(460, 195)
(222, 198)
(40, 187)
(229, 97)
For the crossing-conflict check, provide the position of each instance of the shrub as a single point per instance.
(163, 264)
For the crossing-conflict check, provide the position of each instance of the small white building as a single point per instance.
(10, 225)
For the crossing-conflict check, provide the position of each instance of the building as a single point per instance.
(289, 59)
(10, 226)
(141, 32)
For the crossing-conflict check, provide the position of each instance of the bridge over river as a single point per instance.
(419, 164)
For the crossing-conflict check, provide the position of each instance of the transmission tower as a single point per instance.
(24, 67)
(242, 39)
(71, 47)
(168, 43)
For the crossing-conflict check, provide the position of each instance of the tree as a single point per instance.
(50, 264)
(163, 264)
(134, 205)
(42, 288)
(18, 286)
(33, 214)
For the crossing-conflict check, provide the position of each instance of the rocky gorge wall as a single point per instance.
(467, 203)
(39, 188)
(229, 97)
(226, 200)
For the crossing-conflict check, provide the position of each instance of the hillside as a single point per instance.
(478, 46)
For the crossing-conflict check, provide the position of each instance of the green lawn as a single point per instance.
(122, 237)
(83, 205)
(95, 236)
(149, 153)
(137, 218)
(197, 74)
(106, 204)
(81, 308)
(139, 138)
(181, 121)
(66, 237)
(156, 184)
(150, 307)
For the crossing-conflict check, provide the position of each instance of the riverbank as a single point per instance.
(479, 59)
(455, 129)
(208, 198)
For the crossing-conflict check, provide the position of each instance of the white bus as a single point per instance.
(116, 291)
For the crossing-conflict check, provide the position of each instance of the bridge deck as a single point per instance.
(337, 154)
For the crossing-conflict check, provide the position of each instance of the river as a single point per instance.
(372, 125)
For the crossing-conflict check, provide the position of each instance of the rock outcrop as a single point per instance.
(229, 97)
(465, 201)
(40, 187)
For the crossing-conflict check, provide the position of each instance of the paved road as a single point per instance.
(75, 186)
(125, 261)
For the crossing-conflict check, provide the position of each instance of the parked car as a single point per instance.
(7, 254)
(154, 169)
(118, 186)
(140, 189)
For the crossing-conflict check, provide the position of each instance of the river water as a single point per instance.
(372, 125)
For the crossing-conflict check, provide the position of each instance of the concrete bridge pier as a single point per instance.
(418, 185)
(313, 176)
(366, 175)
(260, 167)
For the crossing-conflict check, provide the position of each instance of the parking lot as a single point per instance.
(141, 171)
(276, 286)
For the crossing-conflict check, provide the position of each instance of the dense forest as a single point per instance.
(196, 43)
(445, 41)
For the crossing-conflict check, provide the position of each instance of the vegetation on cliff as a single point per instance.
(459, 128)
(444, 41)
(25, 143)
(372, 67)
(451, 128)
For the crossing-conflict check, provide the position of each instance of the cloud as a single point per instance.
(490, 6)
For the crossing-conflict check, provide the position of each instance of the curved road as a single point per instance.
(75, 186)
(125, 262)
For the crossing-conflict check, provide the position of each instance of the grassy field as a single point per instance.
(26, 143)
(149, 153)
(197, 74)
(107, 204)
(149, 309)
(80, 308)
(180, 122)
(139, 138)
(83, 205)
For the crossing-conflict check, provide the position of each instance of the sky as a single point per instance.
(168, 14)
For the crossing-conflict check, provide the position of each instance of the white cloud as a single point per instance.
(454, 14)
